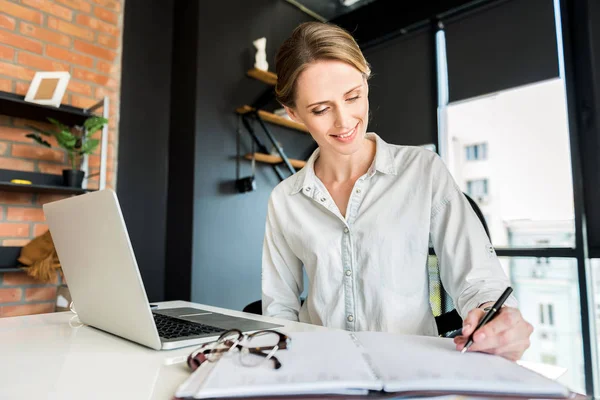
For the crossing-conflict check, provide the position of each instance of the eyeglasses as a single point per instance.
(257, 348)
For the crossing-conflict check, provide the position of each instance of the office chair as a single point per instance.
(448, 320)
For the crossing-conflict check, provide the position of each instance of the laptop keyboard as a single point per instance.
(170, 328)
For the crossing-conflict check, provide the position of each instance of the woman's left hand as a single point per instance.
(506, 335)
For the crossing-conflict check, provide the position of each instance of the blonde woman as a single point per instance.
(359, 216)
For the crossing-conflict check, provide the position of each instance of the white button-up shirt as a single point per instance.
(368, 271)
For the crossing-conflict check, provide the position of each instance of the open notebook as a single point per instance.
(339, 362)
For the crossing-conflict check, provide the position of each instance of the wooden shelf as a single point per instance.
(273, 118)
(40, 183)
(264, 76)
(270, 159)
(14, 105)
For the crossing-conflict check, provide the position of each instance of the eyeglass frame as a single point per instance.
(202, 352)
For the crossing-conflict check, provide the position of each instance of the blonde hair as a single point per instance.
(310, 42)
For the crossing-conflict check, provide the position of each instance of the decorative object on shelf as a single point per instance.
(21, 181)
(48, 88)
(260, 59)
(39, 258)
(77, 145)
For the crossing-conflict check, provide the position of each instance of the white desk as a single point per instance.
(44, 357)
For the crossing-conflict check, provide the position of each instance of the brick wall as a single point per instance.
(82, 37)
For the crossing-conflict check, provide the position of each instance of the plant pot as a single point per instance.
(72, 177)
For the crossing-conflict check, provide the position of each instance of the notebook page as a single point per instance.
(316, 362)
(420, 363)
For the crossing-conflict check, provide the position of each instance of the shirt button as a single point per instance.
(323, 199)
(345, 230)
(350, 318)
(358, 190)
(307, 189)
(348, 272)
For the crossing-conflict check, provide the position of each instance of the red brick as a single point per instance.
(94, 161)
(18, 278)
(88, 76)
(22, 88)
(27, 309)
(38, 152)
(25, 214)
(41, 63)
(14, 230)
(50, 7)
(7, 22)
(106, 15)
(76, 5)
(17, 165)
(6, 85)
(3, 147)
(40, 293)
(97, 25)
(11, 295)
(9, 7)
(108, 41)
(44, 35)
(39, 229)
(20, 42)
(79, 87)
(62, 54)
(70, 29)
(82, 102)
(16, 198)
(7, 53)
(110, 4)
(15, 242)
(51, 168)
(16, 71)
(95, 51)
(49, 198)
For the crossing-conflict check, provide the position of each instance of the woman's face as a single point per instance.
(331, 100)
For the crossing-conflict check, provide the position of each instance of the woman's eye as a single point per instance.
(319, 112)
(353, 98)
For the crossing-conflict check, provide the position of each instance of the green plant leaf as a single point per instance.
(93, 124)
(66, 140)
(38, 139)
(59, 124)
(89, 146)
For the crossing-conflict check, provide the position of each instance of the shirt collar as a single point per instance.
(383, 162)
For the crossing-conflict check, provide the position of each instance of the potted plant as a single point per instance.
(76, 144)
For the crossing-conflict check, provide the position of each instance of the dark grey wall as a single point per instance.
(143, 134)
(229, 227)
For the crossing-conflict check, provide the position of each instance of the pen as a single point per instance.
(488, 316)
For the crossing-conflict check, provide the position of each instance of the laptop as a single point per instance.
(99, 265)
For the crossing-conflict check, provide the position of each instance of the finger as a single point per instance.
(506, 318)
(471, 321)
(513, 351)
(499, 338)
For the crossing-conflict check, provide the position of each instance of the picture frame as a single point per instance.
(48, 88)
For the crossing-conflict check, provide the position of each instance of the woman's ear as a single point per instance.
(290, 111)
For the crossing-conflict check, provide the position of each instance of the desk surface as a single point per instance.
(52, 356)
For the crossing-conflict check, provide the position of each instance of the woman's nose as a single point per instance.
(342, 118)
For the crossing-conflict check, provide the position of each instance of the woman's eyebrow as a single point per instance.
(325, 101)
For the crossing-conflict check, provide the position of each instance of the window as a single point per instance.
(478, 188)
(550, 303)
(476, 152)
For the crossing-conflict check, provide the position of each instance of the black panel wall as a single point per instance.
(143, 134)
(402, 89)
(509, 44)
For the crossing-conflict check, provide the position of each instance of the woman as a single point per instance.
(359, 216)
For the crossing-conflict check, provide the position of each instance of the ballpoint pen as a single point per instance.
(488, 316)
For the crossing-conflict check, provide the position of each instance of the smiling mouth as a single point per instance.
(346, 135)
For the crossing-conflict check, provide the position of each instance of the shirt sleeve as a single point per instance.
(282, 278)
(469, 267)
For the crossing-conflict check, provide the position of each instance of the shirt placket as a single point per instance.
(348, 259)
